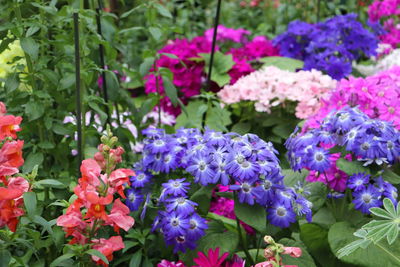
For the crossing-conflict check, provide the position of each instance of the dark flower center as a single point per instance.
(202, 166)
(175, 222)
(246, 188)
(319, 157)
(140, 177)
(365, 146)
(193, 224)
(267, 184)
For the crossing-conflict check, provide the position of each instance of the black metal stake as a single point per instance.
(103, 65)
(78, 89)
(214, 40)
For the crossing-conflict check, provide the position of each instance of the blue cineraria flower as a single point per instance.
(303, 208)
(213, 138)
(318, 159)
(358, 181)
(200, 168)
(220, 176)
(153, 132)
(134, 199)
(390, 192)
(197, 227)
(367, 198)
(140, 179)
(247, 192)
(180, 243)
(169, 162)
(280, 215)
(242, 169)
(181, 205)
(285, 196)
(174, 224)
(176, 188)
(159, 145)
(335, 195)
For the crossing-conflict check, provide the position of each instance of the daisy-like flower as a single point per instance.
(247, 192)
(211, 260)
(175, 224)
(280, 215)
(134, 199)
(318, 159)
(140, 179)
(358, 181)
(181, 205)
(177, 187)
(367, 198)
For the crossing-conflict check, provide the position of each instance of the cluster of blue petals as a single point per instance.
(329, 46)
(247, 164)
(369, 140)
(369, 193)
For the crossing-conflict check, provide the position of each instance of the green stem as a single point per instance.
(241, 239)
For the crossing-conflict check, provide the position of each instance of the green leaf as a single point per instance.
(163, 11)
(221, 65)
(136, 259)
(34, 110)
(128, 245)
(203, 198)
(99, 111)
(170, 90)
(30, 47)
(318, 194)
(283, 63)
(46, 145)
(392, 233)
(229, 224)
(41, 221)
(146, 65)
(341, 234)
(254, 215)
(61, 259)
(60, 129)
(292, 177)
(31, 160)
(128, 13)
(218, 118)
(96, 253)
(305, 260)
(351, 167)
(194, 116)
(155, 33)
(67, 81)
(5, 258)
(12, 82)
(241, 128)
(50, 183)
(112, 85)
(30, 203)
(391, 177)
(227, 242)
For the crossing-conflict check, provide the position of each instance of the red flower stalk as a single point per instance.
(11, 188)
(95, 195)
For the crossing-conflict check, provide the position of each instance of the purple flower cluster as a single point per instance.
(247, 164)
(329, 46)
(370, 140)
(179, 222)
(369, 193)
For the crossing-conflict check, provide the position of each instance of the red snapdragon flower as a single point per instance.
(107, 247)
(9, 126)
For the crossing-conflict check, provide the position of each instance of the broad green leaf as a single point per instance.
(156, 33)
(50, 183)
(61, 259)
(34, 110)
(221, 65)
(128, 245)
(218, 118)
(170, 90)
(203, 198)
(163, 11)
(46, 145)
(389, 206)
(31, 160)
(67, 81)
(318, 194)
(341, 234)
(60, 129)
(194, 116)
(136, 259)
(381, 213)
(254, 215)
(30, 203)
(391, 177)
(241, 127)
(392, 233)
(292, 177)
(96, 253)
(229, 224)
(30, 47)
(283, 63)
(12, 82)
(5, 258)
(112, 85)
(351, 167)
(146, 65)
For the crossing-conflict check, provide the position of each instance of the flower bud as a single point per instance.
(268, 239)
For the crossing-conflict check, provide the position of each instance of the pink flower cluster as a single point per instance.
(390, 11)
(190, 76)
(272, 86)
(376, 95)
